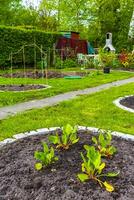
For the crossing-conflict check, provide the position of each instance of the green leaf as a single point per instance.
(83, 177)
(83, 158)
(109, 136)
(45, 147)
(56, 158)
(52, 152)
(38, 166)
(94, 140)
(75, 141)
(112, 174)
(112, 150)
(67, 129)
(54, 139)
(64, 139)
(101, 167)
(102, 140)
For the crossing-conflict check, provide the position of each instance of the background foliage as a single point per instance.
(92, 18)
(12, 39)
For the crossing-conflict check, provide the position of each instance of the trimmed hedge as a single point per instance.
(12, 39)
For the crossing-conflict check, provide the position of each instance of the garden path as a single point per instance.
(51, 101)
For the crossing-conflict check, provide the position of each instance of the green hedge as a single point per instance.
(12, 39)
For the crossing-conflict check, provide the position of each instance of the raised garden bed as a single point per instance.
(20, 180)
(22, 87)
(128, 102)
(39, 74)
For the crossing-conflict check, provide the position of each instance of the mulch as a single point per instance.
(20, 181)
(38, 74)
(21, 87)
(128, 102)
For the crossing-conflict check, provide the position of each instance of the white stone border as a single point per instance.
(44, 131)
(118, 104)
(45, 87)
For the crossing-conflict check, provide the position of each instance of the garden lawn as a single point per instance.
(96, 110)
(59, 85)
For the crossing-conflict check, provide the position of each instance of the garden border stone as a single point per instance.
(118, 104)
(50, 130)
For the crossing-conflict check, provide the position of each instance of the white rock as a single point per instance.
(31, 133)
(19, 136)
(9, 140)
(54, 128)
(122, 135)
(43, 131)
(94, 130)
(1, 144)
(82, 128)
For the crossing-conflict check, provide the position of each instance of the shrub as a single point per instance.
(69, 63)
(12, 39)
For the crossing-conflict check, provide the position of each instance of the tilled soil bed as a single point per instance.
(20, 181)
(128, 102)
(21, 87)
(39, 74)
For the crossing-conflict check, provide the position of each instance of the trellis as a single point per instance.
(43, 55)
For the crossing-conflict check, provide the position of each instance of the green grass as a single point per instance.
(96, 110)
(60, 85)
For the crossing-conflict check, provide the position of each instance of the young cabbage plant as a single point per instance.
(103, 144)
(66, 139)
(92, 168)
(45, 158)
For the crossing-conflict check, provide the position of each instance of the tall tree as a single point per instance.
(7, 9)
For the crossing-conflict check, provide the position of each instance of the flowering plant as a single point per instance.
(126, 59)
(107, 58)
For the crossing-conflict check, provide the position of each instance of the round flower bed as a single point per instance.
(20, 180)
(22, 87)
(126, 103)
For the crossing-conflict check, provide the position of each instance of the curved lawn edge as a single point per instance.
(44, 131)
(118, 104)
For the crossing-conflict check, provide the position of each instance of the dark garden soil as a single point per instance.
(20, 181)
(21, 87)
(128, 102)
(38, 74)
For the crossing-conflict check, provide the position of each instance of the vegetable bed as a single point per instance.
(38, 74)
(20, 180)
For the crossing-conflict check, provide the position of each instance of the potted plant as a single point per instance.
(107, 59)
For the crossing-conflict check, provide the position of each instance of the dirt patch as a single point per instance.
(128, 102)
(20, 181)
(38, 74)
(21, 87)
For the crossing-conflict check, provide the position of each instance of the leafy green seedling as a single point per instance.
(92, 168)
(103, 144)
(66, 139)
(46, 158)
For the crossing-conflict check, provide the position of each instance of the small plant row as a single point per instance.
(92, 166)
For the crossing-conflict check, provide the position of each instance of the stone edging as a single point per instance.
(46, 87)
(118, 104)
(44, 131)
